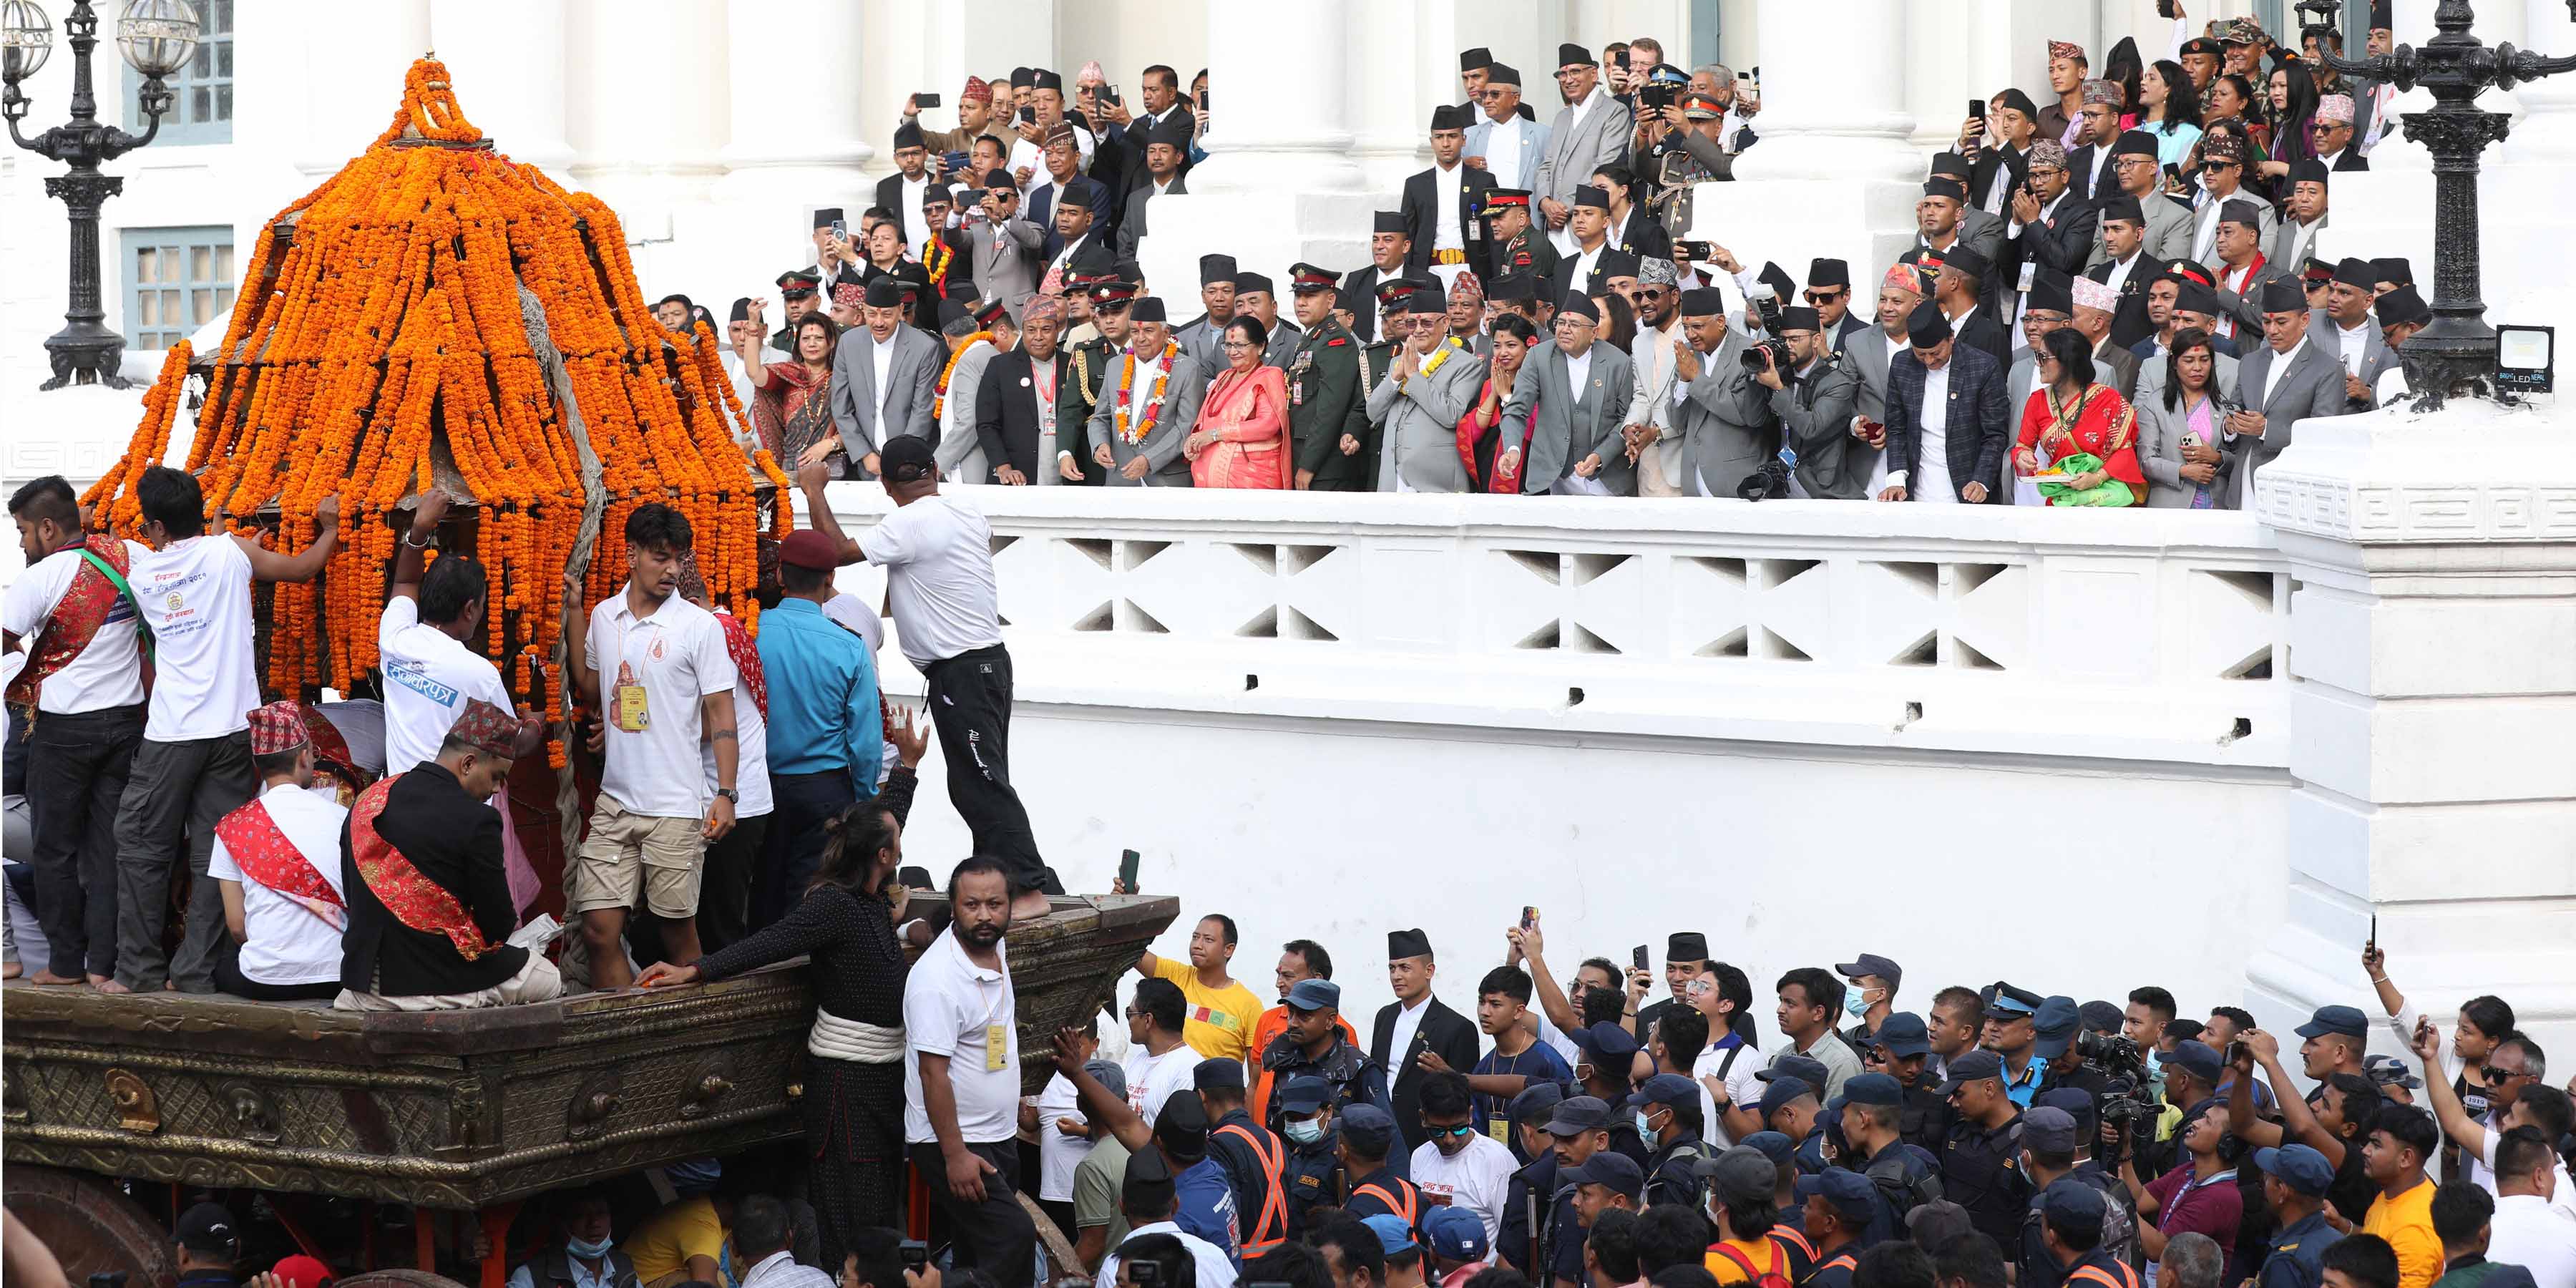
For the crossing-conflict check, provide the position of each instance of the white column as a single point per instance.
(2545, 135)
(795, 138)
(642, 152)
(507, 61)
(1405, 60)
(2433, 785)
(355, 82)
(1833, 94)
(1279, 184)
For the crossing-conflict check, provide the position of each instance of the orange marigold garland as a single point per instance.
(384, 340)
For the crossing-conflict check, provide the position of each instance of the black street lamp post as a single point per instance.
(2455, 354)
(156, 38)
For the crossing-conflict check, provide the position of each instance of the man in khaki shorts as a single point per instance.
(656, 665)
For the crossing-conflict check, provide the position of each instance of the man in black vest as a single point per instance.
(582, 1254)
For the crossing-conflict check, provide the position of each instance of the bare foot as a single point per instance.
(98, 981)
(113, 986)
(1031, 905)
(48, 977)
(10, 970)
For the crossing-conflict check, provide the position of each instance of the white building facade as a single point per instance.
(2085, 751)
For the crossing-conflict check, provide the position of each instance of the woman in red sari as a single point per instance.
(1242, 433)
(1480, 430)
(2068, 413)
(791, 403)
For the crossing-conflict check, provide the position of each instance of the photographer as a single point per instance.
(2330, 1121)
(1813, 400)
(2199, 1195)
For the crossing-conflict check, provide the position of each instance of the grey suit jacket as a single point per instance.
(2278, 249)
(1571, 424)
(912, 379)
(1533, 147)
(2160, 436)
(2151, 379)
(1727, 428)
(1164, 465)
(1131, 228)
(1983, 233)
(2377, 359)
(1418, 425)
(2312, 387)
(1007, 269)
(1574, 151)
(2243, 307)
(2116, 367)
(2267, 222)
(1202, 339)
(961, 450)
(2169, 232)
(1867, 352)
(1815, 419)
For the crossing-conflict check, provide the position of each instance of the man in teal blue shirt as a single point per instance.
(826, 733)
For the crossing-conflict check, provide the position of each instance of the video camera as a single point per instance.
(2129, 1103)
(1766, 302)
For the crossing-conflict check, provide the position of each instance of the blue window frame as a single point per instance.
(176, 280)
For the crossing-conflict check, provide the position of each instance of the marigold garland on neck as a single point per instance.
(1153, 402)
(939, 401)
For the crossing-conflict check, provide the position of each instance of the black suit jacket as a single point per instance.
(1422, 205)
(1443, 1032)
(1984, 332)
(890, 196)
(2129, 323)
(1364, 280)
(1979, 424)
(1006, 414)
(455, 841)
(1644, 235)
(1981, 174)
(2106, 184)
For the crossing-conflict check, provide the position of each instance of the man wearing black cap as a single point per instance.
(1947, 420)
(1572, 394)
(2165, 222)
(2121, 263)
(1018, 419)
(1202, 336)
(2346, 328)
(1869, 995)
(1302, 1109)
(1725, 418)
(1589, 132)
(1416, 1022)
(1981, 1161)
(1813, 402)
(1149, 398)
(1323, 387)
(1588, 228)
(2242, 270)
(2286, 379)
(2306, 210)
(2001, 154)
(2401, 314)
(1438, 213)
(1046, 103)
(1254, 297)
(961, 444)
(1375, 1167)
(915, 171)
(1391, 253)
(1431, 382)
(1685, 958)
(1829, 292)
(884, 379)
(209, 1245)
(1969, 290)
(1506, 140)
(1005, 245)
(1166, 146)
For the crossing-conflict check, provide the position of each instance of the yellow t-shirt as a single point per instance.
(1765, 1255)
(668, 1238)
(2407, 1223)
(1220, 1019)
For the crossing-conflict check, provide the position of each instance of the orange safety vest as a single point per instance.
(2097, 1275)
(1270, 1229)
(1842, 1259)
(1783, 1234)
(1404, 1206)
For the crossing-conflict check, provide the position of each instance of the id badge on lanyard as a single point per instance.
(628, 709)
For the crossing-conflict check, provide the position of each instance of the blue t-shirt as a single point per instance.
(1540, 1063)
(1207, 1207)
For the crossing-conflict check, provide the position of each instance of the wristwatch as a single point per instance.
(730, 794)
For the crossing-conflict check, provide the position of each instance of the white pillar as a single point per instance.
(1279, 184)
(795, 139)
(1405, 63)
(2546, 134)
(2433, 785)
(643, 152)
(507, 61)
(1833, 94)
(355, 81)
(1833, 175)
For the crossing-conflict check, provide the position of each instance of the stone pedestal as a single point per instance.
(1833, 174)
(1279, 184)
(2433, 653)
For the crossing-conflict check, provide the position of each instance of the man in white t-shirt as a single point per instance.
(1161, 1062)
(277, 860)
(1460, 1166)
(938, 555)
(656, 664)
(83, 674)
(961, 1077)
(193, 766)
(430, 671)
(732, 864)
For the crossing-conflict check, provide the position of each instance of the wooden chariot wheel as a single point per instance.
(90, 1225)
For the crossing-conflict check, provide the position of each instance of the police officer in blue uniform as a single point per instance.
(1666, 1111)
(2072, 1215)
(1872, 1105)
(1313, 1044)
(2295, 1179)
(1839, 1206)
(1254, 1161)
(1604, 1054)
(1579, 1128)
(1313, 1171)
(1198, 1181)
(1534, 1183)
(1902, 1049)
(1981, 1158)
(1368, 1137)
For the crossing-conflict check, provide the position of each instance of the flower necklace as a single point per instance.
(1448, 346)
(937, 259)
(939, 403)
(1154, 404)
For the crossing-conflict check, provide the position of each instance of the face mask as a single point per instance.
(1644, 1127)
(587, 1249)
(1855, 999)
(1306, 1132)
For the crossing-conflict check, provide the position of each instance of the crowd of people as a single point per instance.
(1534, 319)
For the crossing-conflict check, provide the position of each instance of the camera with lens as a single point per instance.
(1766, 302)
(2111, 1053)
(1769, 481)
(1657, 94)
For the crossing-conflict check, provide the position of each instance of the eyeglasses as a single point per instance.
(2132, 163)
(2496, 1076)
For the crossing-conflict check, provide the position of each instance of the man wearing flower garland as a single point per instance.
(1417, 406)
(1150, 400)
(970, 350)
(1088, 368)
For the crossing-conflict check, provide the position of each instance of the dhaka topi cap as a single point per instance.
(2335, 107)
(2066, 49)
(2101, 91)
(486, 728)
(278, 728)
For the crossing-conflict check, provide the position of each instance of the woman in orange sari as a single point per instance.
(2069, 415)
(1241, 436)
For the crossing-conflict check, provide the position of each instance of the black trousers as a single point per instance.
(970, 705)
(800, 805)
(174, 796)
(76, 771)
(725, 885)
(995, 1236)
(229, 979)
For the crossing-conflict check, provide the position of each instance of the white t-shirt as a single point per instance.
(1059, 1154)
(196, 596)
(2562, 1195)
(1208, 1262)
(955, 1008)
(108, 671)
(751, 750)
(938, 556)
(678, 656)
(2527, 1232)
(287, 943)
(1151, 1079)
(1476, 1179)
(429, 676)
(1554, 1036)
(852, 612)
(1742, 1087)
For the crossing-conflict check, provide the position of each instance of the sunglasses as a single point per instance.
(1462, 1129)
(1825, 297)
(2496, 1076)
